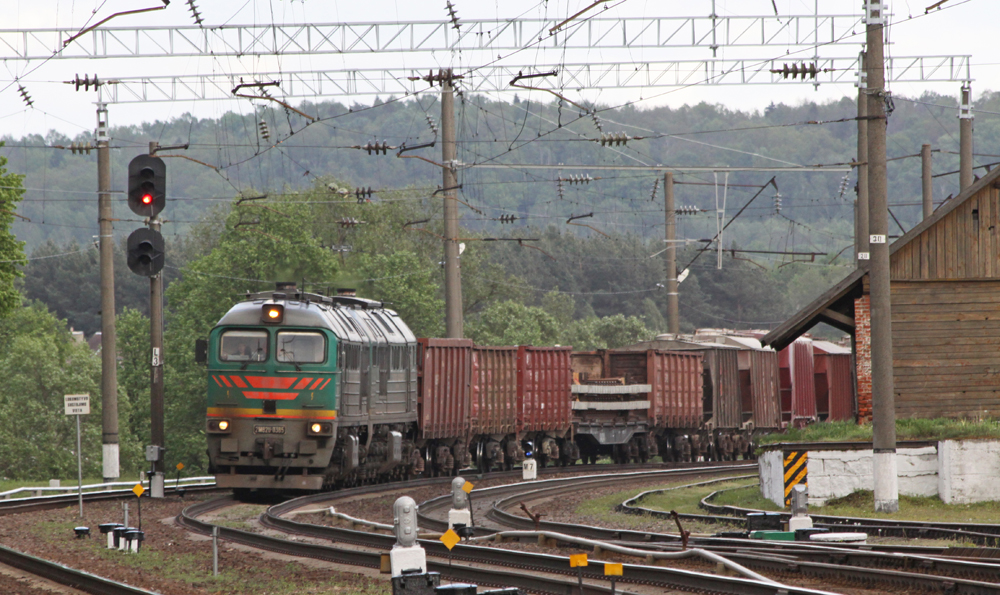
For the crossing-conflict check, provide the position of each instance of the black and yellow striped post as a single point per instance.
(796, 468)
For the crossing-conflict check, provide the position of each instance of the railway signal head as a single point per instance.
(147, 185)
(145, 252)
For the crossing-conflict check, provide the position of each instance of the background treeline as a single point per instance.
(590, 288)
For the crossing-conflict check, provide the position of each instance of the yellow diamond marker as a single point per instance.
(180, 466)
(468, 487)
(612, 569)
(138, 490)
(577, 560)
(450, 538)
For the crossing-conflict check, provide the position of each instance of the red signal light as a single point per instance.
(147, 199)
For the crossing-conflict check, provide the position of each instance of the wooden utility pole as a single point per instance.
(965, 177)
(861, 213)
(106, 246)
(927, 180)
(670, 212)
(883, 400)
(452, 270)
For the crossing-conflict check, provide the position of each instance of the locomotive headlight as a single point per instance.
(319, 428)
(272, 313)
(218, 426)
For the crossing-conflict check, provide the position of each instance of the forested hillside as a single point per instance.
(604, 266)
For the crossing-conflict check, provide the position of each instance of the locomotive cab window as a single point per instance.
(301, 347)
(243, 346)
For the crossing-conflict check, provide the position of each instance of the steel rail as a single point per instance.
(354, 557)
(649, 575)
(64, 575)
(855, 566)
(39, 503)
(983, 534)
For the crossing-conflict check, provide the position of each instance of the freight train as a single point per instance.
(312, 392)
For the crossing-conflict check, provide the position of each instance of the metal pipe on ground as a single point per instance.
(627, 551)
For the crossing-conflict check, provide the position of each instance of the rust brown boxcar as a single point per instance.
(444, 387)
(494, 390)
(544, 400)
(765, 389)
(834, 386)
(722, 391)
(798, 388)
(677, 385)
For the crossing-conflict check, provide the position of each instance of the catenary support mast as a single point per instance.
(106, 244)
(883, 401)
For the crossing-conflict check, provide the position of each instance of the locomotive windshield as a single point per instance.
(243, 346)
(301, 347)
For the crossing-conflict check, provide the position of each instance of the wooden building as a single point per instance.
(945, 289)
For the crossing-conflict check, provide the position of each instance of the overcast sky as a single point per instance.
(962, 27)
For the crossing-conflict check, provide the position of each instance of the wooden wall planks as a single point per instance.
(946, 344)
(964, 244)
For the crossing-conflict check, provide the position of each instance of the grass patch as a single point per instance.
(912, 508)
(746, 497)
(906, 429)
(603, 509)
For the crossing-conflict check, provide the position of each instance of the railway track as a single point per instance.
(518, 561)
(929, 569)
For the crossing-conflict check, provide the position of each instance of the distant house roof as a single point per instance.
(836, 305)
(94, 342)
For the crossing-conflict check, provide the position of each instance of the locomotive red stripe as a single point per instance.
(269, 395)
(238, 381)
(226, 382)
(325, 383)
(316, 384)
(216, 380)
(301, 385)
(270, 381)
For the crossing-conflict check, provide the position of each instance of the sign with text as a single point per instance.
(77, 404)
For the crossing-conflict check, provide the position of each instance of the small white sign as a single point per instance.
(863, 256)
(77, 404)
(876, 239)
(156, 357)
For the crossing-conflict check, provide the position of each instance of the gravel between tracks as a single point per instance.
(167, 551)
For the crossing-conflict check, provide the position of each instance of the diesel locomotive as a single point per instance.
(307, 391)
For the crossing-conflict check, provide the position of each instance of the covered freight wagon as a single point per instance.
(444, 385)
(834, 382)
(798, 384)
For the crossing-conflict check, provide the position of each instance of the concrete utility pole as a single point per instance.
(928, 181)
(965, 138)
(452, 271)
(156, 367)
(883, 400)
(861, 213)
(109, 360)
(673, 310)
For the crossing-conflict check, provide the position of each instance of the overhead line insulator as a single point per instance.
(264, 132)
(615, 139)
(24, 95)
(797, 70)
(363, 195)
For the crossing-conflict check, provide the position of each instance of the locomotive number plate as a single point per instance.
(269, 429)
